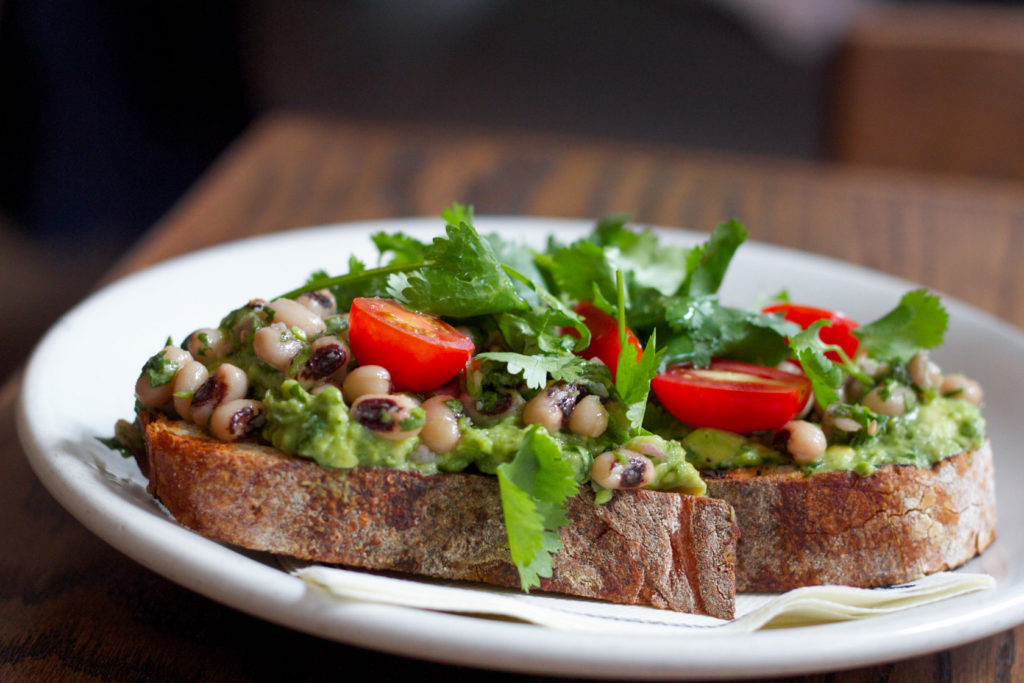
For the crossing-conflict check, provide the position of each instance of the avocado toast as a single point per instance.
(551, 394)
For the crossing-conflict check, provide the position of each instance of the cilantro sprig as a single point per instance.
(917, 323)
(635, 370)
(534, 488)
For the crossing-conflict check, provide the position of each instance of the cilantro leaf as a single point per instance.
(464, 279)
(707, 263)
(536, 368)
(160, 368)
(405, 249)
(633, 377)
(634, 370)
(534, 488)
(579, 269)
(826, 377)
(548, 323)
(359, 281)
(918, 322)
(519, 257)
(704, 329)
(458, 213)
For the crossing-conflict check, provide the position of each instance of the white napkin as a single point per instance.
(800, 607)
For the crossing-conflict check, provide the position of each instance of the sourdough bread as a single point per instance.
(653, 548)
(890, 527)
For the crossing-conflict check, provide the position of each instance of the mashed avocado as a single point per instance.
(932, 432)
(318, 426)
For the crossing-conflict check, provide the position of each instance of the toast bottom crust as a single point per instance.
(890, 527)
(664, 550)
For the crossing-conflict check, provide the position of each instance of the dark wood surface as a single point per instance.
(71, 607)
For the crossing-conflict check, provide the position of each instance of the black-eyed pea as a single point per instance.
(440, 431)
(924, 372)
(296, 316)
(651, 446)
(959, 386)
(804, 441)
(589, 418)
(542, 409)
(622, 469)
(228, 382)
(277, 346)
(170, 358)
(186, 381)
(321, 302)
(365, 380)
(328, 362)
(233, 420)
(208, 343)
(893, 401)
(389, 416)
(495, 408)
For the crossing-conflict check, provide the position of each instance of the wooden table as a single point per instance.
(72, 607)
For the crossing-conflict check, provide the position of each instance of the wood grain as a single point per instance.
(932, 87)
(72, 608)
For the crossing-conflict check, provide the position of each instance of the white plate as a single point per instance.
(79, 380)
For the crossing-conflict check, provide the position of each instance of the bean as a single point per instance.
(233, 420)
(651, 446)
(923, 372)
(328, 362)
(440, 431)
(894, 405)
(389, 416)
(295, 315)
(366, 379)
(542, 409)
(958, 386)
(155, 397)
(805, 441)
(227, 383)
(552, 407)
(321, 302)
(186, 381)
(276, 346)
(208, 343)
(622, 469)
(255, 311)
(589, 418)
(492, 408)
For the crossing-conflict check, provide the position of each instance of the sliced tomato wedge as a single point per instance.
(840, 332)
(730, 395)
(420, 351)
(604, 336)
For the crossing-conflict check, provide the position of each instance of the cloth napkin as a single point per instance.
(801, 607)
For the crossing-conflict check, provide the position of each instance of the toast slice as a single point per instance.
(653, 548)
(890, 527)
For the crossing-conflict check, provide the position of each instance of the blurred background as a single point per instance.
(112, 109)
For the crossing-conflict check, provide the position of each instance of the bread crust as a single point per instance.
(893, 526)
(653, 548)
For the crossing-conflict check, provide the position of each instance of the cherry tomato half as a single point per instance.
(420, 351)
(730, 395)
(840, 332)
(604, 336)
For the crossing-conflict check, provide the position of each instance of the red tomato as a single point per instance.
(604, 335)
(730, 395)
(840, 332)
(420, 351)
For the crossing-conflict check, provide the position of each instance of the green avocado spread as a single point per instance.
(318, 426)
(935, 430)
